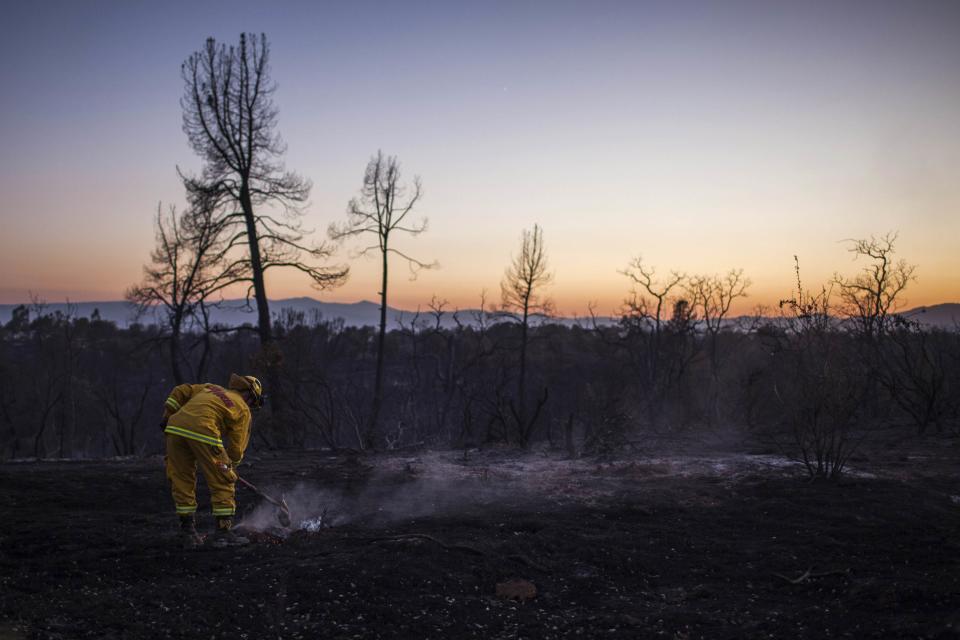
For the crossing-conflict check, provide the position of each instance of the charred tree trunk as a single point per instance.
(264, 330)
(381, 343)
(256, 268)
(522, 382)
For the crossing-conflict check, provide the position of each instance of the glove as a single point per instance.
(228, 472)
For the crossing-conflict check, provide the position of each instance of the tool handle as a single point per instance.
(259, 493)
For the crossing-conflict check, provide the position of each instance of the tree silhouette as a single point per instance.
(381, 210)
(714, 296)
(644, 316)
(872, 295)
(230, 120)
(520, 297)
(188, 267)
(868, 301)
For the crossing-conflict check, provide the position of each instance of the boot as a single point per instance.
(189, 538)
(224, 536)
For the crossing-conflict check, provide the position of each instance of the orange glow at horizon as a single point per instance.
(577, 286)
(661, 130)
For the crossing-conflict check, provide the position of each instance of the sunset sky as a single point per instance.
(701, 135)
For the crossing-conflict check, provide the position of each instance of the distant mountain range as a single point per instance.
(365, 313)
(232, 313)
(945, 316)
(235, 313)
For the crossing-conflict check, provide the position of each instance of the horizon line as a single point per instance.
(492, 309)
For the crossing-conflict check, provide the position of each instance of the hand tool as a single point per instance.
(283, 511)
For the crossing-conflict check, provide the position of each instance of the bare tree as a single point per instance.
(808, 311)
(521, 297)
(817, 384)
(381, 210)
(915, 372)
(188, 266)
(868, 301)
(872, 295)
(644, 315)
(714, 296)
(230, 120)
(645, 283)
(124, 401)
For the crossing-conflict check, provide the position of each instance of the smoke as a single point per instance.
(381, 502)
(401, 490)
(305, 502)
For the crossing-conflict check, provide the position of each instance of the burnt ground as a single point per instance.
(681, 547)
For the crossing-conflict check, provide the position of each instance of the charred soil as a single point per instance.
(684, 547)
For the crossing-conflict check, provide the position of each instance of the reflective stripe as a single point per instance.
(173, 403)
(226, 511)
(186, 509)
(193, 435)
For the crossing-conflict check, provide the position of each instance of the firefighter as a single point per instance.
(207, 425)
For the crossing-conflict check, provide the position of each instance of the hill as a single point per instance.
(944, 316)
(234, 313)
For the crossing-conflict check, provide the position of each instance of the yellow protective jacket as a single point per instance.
(210, 414)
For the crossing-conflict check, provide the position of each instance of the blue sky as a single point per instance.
(701, 135)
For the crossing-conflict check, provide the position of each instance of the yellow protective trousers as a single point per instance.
(183, 457)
